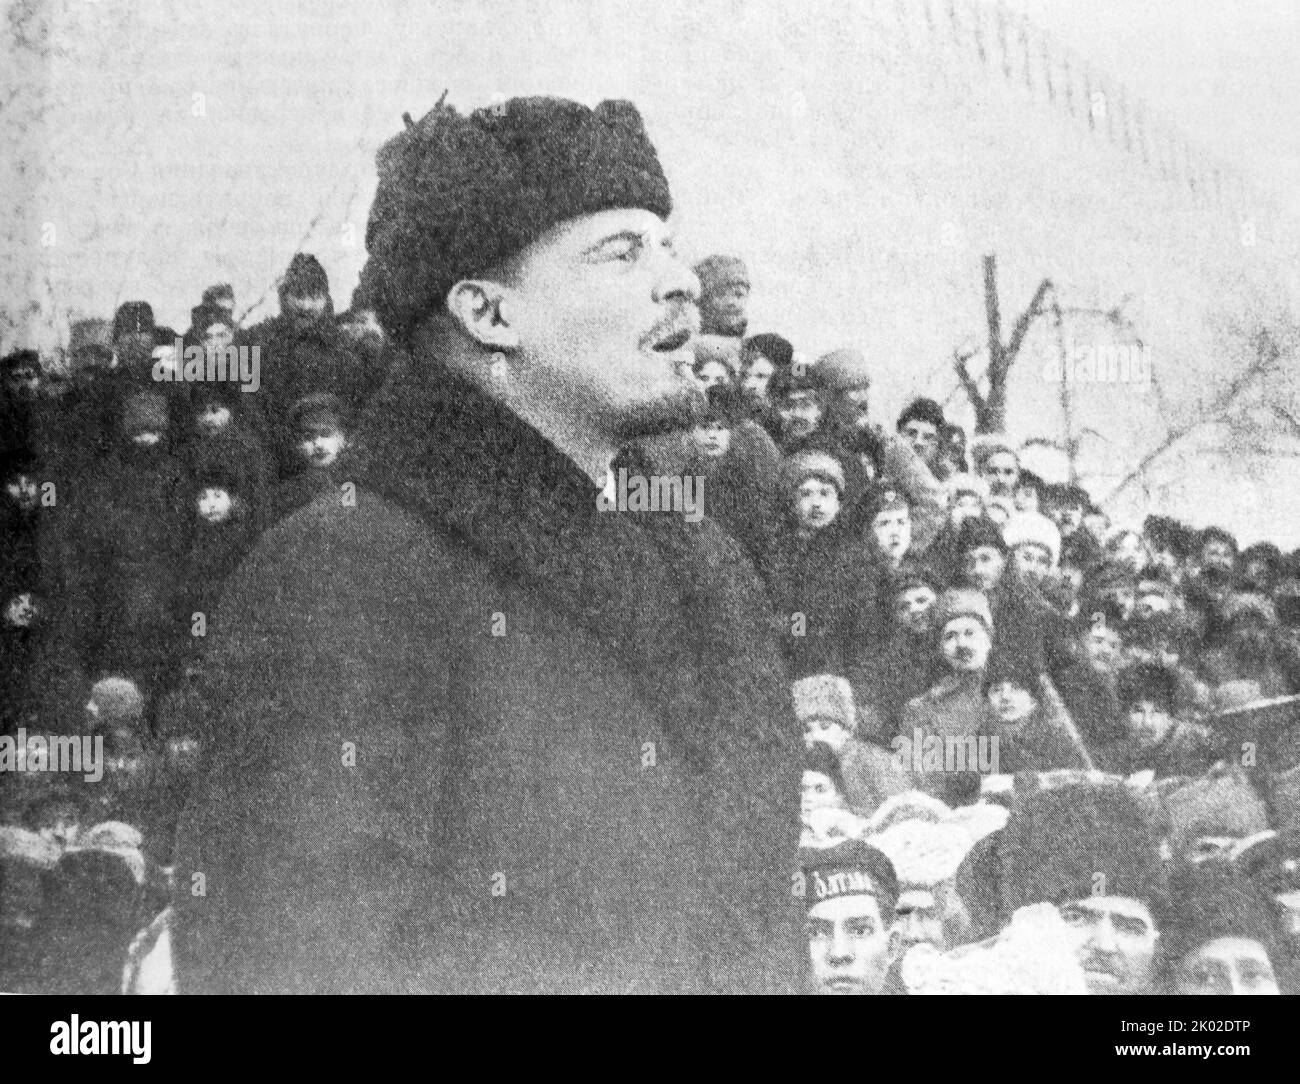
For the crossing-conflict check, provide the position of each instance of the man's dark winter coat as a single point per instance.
(576, 764)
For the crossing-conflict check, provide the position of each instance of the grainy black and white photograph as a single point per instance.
(702, 497)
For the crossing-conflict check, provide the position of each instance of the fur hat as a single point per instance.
(459, 194)
(924, 410)
(133, 317)
(1033, 529)
(812, 463)
(1147, 681)
(818, 758)
(1164, 532)
(844, 369)
(960, 484)
(1075, 841)
(824, 696)
(851, 868)
(318, 408)
(962, 602)
(213, 293)
(718, 272)
(978, 532)
(1220, 803)
(204, 316)
(777, 350)
(985, 446)
(305, 277)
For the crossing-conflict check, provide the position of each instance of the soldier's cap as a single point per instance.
(851, 868)
(460, 194)
(717, 272)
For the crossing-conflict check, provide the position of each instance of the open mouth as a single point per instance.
(672, 343)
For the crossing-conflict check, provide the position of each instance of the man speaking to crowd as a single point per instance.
(472, 733)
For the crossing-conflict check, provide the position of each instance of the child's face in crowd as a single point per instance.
(855, 407)
(23, 491)
(912, 608)
(1002, 472)
(965, 644)
(817, 792)
(1068, 518)
(1227, 965)
(713, 438)
(830, 732)
(849, 945)
(1148, 721)
(923, 438)
(1115, 943)
(217, 337)
(758, 374)
(966, 506)
(1011, 703)
(893, 529)
(983, 566)
(1103, 646)
(214, 505)
(322, 445)
(1026, 499)
(1163, 559)
(21, 611)
(713, 373)
(816, 504)
(801, 414)
(1129, 552)
(23, 382)
(1033, 562)
(1217, 554)
(214, 416)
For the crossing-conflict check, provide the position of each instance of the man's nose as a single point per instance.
(840, 945)
(1103, 935)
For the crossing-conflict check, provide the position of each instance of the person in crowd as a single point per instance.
(1093, 849)
(954, 707)
(222, 438)
(1169, 543)
(1155, 739)
(1034, 543)
(724, 296)
(891, 524)
(823, 706)
(800, 400)
(717, 360)
(313, 449)
(761, 358)
(1258, 567)
(921, 424)
(1126, 550)
(740, 468)
(127, 533)
(850, 892)
(544, 334)
(998, 463)
(824, 581)
(1221, 936)
(885, 680)
(1031, 492)
(1033, 727)
(134, 337)
(952, 449)
(1245, 644)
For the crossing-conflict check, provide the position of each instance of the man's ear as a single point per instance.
(481, 308)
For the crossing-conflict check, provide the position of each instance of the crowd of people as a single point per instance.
(1007, 700)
